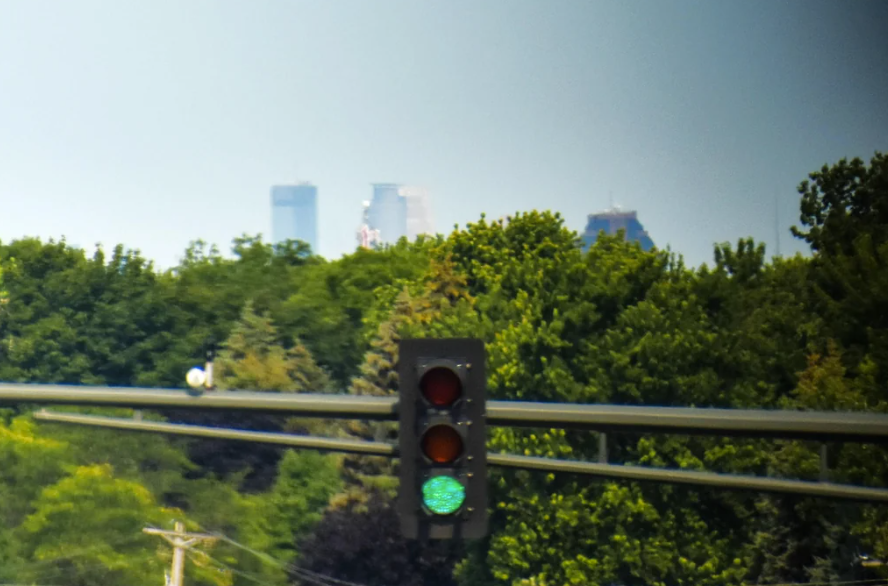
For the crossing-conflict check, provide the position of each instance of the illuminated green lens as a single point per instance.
(443, 495)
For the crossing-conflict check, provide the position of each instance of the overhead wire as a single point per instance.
(871, 582)
(307, 574)
(248, 576)
(324, 580)
(327, 580)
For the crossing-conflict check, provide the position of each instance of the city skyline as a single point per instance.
(405, 211)
(394, 209)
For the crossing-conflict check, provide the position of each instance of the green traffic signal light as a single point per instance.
(443, 495)
(442, 438)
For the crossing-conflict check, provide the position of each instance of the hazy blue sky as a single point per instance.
(156, 122)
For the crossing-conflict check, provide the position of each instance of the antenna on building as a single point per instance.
(777, 224)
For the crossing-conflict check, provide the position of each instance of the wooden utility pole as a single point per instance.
(180, 540)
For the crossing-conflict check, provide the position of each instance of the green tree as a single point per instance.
(4, 294)
(845, 216)
(417, 310)
(843, 201)
(253, 358)
(158, 462)
(287, 513)
(362, 543)
(616, 324)
(803, 539)
(27, 464)
(87, 529)
(329, 303)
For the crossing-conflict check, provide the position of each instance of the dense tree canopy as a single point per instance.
(615, 324)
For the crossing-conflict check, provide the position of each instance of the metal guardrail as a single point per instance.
(614, 471)
(835, 426)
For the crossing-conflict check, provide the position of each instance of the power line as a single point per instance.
(180, 540)
(309, 575)
(264, 557)
(301, 572)
(316, 578)
(246, 575)
(872, 581)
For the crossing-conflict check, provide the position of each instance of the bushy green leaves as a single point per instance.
(91, 510)
(616, 324)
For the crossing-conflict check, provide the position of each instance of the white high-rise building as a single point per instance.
(419, 212)
(367, 237)
(397, 211)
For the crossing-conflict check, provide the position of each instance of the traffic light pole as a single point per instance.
(442, 411)
(805, 425)
(693, 478)
(345, 446)
(601, 470)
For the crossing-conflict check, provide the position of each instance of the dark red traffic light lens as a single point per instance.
(441, 387)
(442, 444)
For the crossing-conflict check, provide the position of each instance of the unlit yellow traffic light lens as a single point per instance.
(442, 444)
(441, 387)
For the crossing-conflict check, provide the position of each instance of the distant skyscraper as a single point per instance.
(294, 214)
(419, 212)
(396, 211)
(388, 212)
(367, 237)
(613, 220)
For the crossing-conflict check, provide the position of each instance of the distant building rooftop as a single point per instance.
(616, 212)
(613, 220)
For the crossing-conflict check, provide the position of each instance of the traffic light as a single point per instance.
(443, 443)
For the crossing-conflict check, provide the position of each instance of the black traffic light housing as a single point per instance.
(443, 438)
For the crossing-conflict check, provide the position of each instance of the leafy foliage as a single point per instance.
(615, 324)
(362, 544)
(91, 510)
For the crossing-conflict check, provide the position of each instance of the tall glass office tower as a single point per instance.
(388, 212)
(613, 220)
(294, 214)
(397, 211)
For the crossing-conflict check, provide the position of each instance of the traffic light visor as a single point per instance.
(442, 444)
(441, 386)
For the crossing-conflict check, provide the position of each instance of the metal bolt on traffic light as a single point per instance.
(443, 443)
